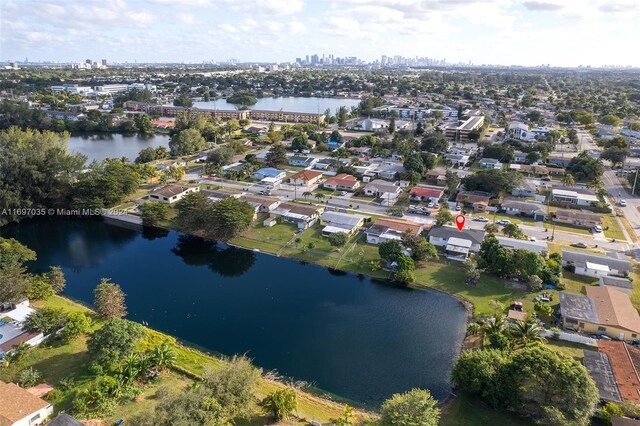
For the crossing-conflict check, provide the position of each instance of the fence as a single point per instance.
(572, 337)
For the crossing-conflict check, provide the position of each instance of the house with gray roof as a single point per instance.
(341, 222)
(596, 265)
(622, 284)
(599, 368)
(524, 208)
(439, 236)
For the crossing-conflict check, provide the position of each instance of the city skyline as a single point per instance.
(497, 32)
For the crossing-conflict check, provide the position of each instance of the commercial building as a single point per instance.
(461, 132)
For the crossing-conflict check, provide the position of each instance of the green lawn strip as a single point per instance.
(468, 410)
(568, 228)
(267, 239)
(519, 220)
(630, 230)
(571, 349)
(614, 230)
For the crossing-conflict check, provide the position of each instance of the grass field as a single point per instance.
(614, 230)
(568, 228)
(467, 410)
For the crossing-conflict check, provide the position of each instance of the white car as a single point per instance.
(480, 219)
(532, 239)
(503, 222)
(622, 203)
(343, 193)
(597, 228)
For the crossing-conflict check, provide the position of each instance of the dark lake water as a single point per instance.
(99, 147)
(349, 335)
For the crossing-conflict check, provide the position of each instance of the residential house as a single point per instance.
(371, 124)
(426, 193)
(528, 188)
(622, 284)
(261, 204)
(382, 189)
(384, 230)
(333, 145)
(456, 160)
(583, 198)
(300, 161)
(519, 157)
(389, 170)
(439, 236)
(305, 178)
(325, 164)
(524, 208)
(304, 216)
(66, 116)
(457, 249)
(559, 160)
(269, 175)
(63, 419)
(515, 244)
(536, 170)
(596, 265)
(172, 193)
(478, 201)
(456, 150)
(604, 310)
(581, 218)
(490, 163)
(335, 222)
(342, 182)
(624, 360)
(600, 370)
(18, 407)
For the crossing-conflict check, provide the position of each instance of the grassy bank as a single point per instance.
(61, 361)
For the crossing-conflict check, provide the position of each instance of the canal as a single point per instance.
(346, 334)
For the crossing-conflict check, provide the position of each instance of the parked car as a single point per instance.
(343, 193)
(579, 245)
(503, 222)
(597, 228)
(480, 219)
(622, 203)
(532, 239)
(458, 208)
(265, 192)
(605, 337)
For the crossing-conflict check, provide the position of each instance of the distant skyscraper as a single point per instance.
(88, 61)
(314, 59)
(104, 62)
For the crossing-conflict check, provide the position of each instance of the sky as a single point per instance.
(506, 32)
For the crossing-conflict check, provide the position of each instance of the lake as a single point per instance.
(348, 335)
(289, 104)
(114, 145)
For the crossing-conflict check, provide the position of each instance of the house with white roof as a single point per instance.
(335, 222)
(564, 196)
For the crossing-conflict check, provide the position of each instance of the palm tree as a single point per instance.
(306, 194)
(163, 356)
(526, 332)
(568, 180)
(319, 196)
(130, 368)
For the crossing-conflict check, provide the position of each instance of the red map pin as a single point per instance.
(460, 219)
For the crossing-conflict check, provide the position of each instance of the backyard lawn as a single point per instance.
(267, 239)
(468, 410)
(614, 230)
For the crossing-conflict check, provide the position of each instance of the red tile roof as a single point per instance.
(305, 175)
(426, 192)
(342, 179)
(624, 360)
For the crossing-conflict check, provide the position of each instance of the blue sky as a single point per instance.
(524, 32)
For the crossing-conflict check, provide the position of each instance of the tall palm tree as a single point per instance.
(306, 194)
(527, 332)
(568, 180)
(319, 196)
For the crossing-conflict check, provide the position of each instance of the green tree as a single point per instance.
(108, 300)
(568, 180)
(115, 340)
(280, 404)
(56, 278)
(610, 120)
(585, 168)
(491, 228)
(192, 212)
(342, 116)
(513, 231)
(228, 218)
(146, 155)
(163, 356)
(153, 213)
(188, 141)
(14, 283)
(220, 157)
(493, 181)
(39, 289)
(436, 143)
(14, 253)
(45, 320)
(276, 156)
(414, 163)
(471, 271)
(232, 384)
(183, 100)
(390, 250)
(413, 408)
(421, 249)
(478, 372)
(405, 263)
(526, 332)
(443, 216)
(76, 324)
(338, 239)
(615, 155)
(105, 184)
(143, 123)
(453, 181)
(300, 143)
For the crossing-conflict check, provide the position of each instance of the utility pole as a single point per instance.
(633, 191)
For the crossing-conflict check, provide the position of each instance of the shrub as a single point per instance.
(29, 377)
